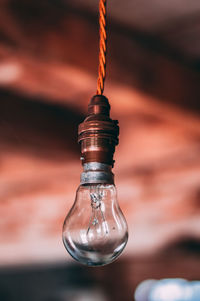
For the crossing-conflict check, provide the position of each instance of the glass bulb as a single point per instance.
(95, 231)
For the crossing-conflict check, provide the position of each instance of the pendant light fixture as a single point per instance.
(95, 230)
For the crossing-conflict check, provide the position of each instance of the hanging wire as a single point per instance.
(102, 47)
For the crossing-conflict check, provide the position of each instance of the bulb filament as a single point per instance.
(96, 204)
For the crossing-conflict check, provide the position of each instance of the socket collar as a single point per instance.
(98, 133)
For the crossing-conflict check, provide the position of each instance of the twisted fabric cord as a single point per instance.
(102, 47)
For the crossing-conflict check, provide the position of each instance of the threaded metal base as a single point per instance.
(97, 173)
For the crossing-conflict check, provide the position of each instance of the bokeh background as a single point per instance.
(48, 73)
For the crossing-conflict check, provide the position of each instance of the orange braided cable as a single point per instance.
(102, 47)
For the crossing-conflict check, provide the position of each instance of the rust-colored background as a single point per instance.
(48, 73)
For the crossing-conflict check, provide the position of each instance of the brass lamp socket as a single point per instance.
(98, 133)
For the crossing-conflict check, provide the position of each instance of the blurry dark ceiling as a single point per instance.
(175, 22)
(152, 45)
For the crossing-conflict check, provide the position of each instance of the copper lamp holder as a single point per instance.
(98, 133)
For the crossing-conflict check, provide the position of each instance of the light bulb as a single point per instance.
(95, 231)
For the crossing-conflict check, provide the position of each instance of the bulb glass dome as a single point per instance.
(95, 231)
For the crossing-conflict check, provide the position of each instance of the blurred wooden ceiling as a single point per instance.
(145, 49)
(48, 70)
